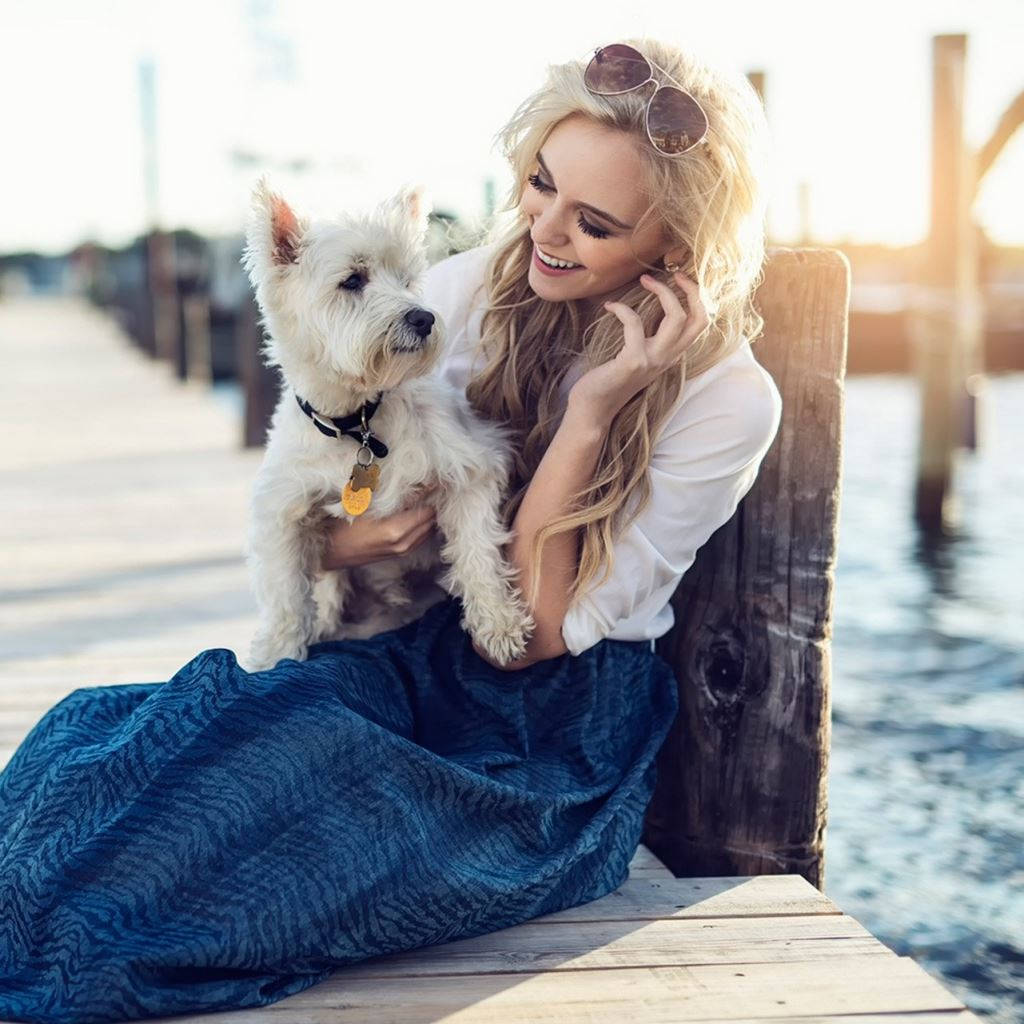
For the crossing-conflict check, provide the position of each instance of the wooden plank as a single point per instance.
(287, 1012)
(648, 899)
(580, 945)
(865, 984)
(645, 864)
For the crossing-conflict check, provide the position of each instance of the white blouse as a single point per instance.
(705, 459)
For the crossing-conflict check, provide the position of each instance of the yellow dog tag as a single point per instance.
(355, 503)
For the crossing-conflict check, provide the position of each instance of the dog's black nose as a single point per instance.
(421, 320)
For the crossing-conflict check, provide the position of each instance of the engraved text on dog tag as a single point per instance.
(355, 502)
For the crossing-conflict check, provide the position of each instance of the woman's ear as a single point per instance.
(674, 258)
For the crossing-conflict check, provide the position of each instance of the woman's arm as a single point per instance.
(566, 467)
(569, 463)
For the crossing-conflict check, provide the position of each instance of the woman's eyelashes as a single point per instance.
(585, 226)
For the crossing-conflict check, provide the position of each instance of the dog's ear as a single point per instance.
(412, 205)
(273, 232)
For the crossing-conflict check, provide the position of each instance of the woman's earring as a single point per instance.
(671, 266)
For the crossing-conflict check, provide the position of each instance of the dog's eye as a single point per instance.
(353, 282)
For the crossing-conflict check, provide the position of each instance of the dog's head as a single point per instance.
(339, 297)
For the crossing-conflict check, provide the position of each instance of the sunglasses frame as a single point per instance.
(702, 141)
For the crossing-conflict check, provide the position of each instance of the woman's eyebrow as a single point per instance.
(593, 209)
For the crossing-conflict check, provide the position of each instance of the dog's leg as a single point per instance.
(495, 614)
(329, 593)
(283, 556)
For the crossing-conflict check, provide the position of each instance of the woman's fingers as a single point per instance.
(678, 328)
(416, 536)
(634, 339)
(674, 311)
(416, 515)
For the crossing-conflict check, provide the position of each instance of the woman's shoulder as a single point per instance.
(732, 410)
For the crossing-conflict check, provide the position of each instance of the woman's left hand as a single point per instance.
(605, 389)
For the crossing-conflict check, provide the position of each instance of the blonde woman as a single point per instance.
(226, 839)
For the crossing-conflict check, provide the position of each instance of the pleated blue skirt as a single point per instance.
(225, 839)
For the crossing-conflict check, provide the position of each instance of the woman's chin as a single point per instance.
(554, 288)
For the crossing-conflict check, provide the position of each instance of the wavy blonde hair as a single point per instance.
(710, 201)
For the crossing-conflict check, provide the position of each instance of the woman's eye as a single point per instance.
(353, 282)
(590, 229)
(540, 186)
(585, 226)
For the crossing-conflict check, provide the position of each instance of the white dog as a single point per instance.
(355, 349)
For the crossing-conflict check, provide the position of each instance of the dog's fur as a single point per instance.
(337, 347)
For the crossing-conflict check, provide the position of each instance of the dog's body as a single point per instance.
(357, 346)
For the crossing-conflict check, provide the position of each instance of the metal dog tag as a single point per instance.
(355, 498)
(365, 476)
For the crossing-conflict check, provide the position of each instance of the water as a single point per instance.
(926, 788)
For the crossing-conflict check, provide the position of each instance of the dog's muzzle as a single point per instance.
(422, 322)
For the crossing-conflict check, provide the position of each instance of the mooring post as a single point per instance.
(742, 779)
(946, 318)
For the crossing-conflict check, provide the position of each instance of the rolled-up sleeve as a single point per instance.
(705, 461)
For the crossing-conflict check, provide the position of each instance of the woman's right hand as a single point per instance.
(370, 540)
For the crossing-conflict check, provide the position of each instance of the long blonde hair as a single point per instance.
(710, 201)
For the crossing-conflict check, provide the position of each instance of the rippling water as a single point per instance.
(926, 790)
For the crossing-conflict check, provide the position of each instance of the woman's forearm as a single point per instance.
(567, 466)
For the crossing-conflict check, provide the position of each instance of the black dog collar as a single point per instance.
(350, 424)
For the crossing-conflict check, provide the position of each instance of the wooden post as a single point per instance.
(195, 314)
(260, 383)
(742, 777)
(163, 295)
(193, 281)
(144, 299)
(946, 323)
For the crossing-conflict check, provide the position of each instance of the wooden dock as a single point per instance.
(125, 494)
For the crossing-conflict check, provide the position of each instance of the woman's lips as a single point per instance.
(552, 271)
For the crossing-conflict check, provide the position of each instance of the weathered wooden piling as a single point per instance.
(742, 780)
(946, 319)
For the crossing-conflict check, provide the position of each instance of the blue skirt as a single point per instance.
(226, 839)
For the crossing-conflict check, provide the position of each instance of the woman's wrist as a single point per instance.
(586, 417)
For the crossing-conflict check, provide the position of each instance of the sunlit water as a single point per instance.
(926, 787)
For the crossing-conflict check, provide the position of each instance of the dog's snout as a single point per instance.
(421, 321)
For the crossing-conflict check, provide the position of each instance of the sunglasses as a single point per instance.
(675, 121)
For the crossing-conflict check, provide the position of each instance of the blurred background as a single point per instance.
(135, 404)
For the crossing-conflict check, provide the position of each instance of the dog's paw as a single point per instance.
(266, 652)
(503, 633)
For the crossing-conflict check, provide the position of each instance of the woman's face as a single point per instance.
(583, 168)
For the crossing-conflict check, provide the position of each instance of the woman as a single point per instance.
(225, 839)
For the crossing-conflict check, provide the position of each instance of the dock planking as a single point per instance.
(125, 497)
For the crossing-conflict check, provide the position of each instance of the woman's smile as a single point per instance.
(546, 268)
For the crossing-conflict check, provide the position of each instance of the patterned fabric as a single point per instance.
(225, 839)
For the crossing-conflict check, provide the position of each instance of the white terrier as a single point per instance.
(360, 425)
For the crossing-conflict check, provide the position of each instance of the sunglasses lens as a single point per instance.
(616, 68)
(675, 121)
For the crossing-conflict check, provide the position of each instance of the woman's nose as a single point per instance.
(547, 229)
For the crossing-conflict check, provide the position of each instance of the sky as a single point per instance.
(340, 104)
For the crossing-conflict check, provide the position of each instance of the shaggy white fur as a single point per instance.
(343, 322)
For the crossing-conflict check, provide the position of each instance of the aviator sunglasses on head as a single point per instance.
(676, 122)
